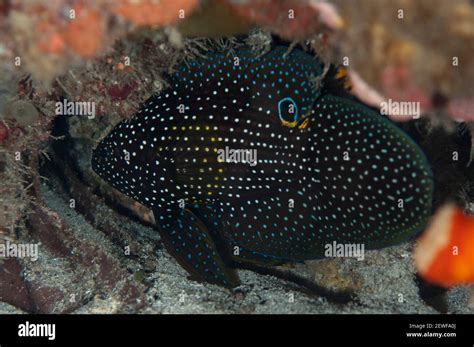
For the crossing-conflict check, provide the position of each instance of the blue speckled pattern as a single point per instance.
(329, 169)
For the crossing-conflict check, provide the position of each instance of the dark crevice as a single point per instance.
(433, 295)
(63, 166)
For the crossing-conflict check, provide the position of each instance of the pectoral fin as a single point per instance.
(188, 239)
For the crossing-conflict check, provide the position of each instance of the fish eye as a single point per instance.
(288, 111)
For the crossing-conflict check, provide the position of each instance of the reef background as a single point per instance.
(99, 252)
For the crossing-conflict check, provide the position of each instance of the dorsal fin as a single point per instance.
(337, 82)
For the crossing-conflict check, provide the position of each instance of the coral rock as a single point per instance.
(149, 12)
(4, 132)
(22, 112)
(84, 33)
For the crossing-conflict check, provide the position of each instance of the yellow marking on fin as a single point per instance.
(304, 124)
(289, 124)
(342, 73)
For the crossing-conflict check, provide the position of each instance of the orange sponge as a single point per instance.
(152, 12)
(445, 252)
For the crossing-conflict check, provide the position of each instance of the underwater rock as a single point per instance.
(3, 131)
(13, 289)
(85, 34)
(22, 112)
(292, 19)
(121, 92)
(410, 58)
(148, 12)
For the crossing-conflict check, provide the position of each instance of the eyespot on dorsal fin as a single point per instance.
(288, 112)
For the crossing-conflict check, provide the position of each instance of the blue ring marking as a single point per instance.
(294, 104)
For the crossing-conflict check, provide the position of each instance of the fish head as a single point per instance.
(117, 158)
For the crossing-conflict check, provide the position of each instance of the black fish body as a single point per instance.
(246, 160)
